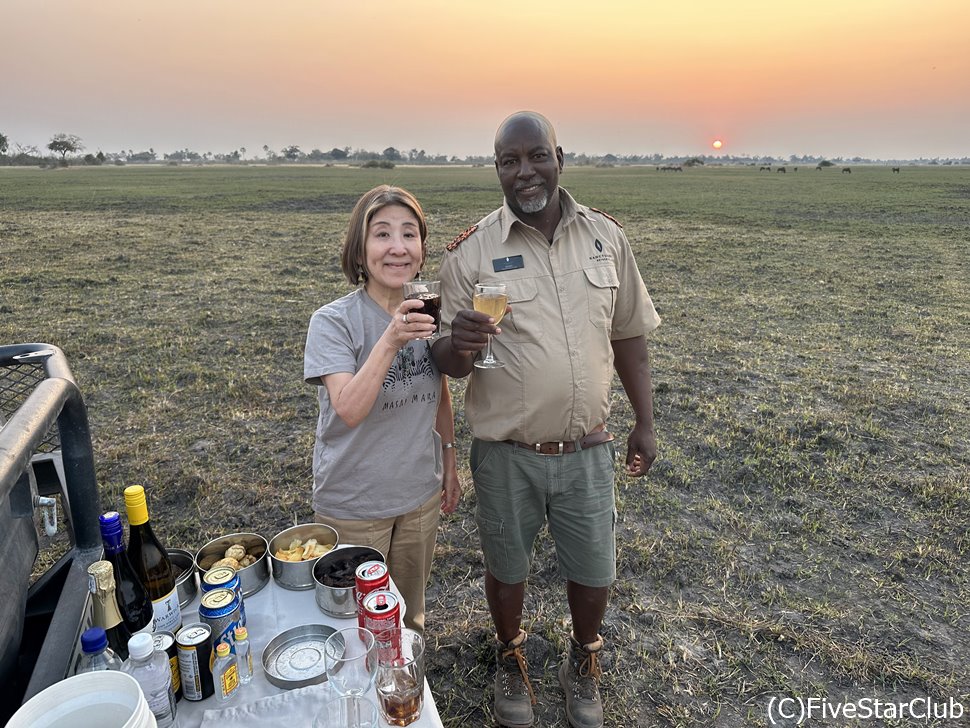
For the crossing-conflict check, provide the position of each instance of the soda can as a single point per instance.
(165, 642)
(369, 576)
(219, 609)
(225, 577)
(194, 643)
(382, 611)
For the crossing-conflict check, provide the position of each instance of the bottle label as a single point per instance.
(229, 681)
(168, 614)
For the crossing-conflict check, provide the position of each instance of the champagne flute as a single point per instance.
(351, 658)
(491, 299)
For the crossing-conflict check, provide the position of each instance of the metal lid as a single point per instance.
(295, 657)
(219, 576)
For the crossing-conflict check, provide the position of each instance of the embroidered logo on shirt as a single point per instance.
(598, 245)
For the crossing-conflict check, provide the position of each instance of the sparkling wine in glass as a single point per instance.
(491, 299)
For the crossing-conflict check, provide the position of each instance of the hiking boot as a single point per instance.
(513, 692)
(579, 676)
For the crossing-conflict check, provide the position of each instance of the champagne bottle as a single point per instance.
(151, 563)
(101, 584)
(133, 600)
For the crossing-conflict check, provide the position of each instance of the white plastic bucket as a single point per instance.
(103, 699)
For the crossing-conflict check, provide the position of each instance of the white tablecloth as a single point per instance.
(268, 612)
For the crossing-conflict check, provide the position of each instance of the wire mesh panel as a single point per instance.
(17, 381)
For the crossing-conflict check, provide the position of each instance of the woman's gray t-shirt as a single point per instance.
(391, 462)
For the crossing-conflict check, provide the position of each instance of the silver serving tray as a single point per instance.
(295, 657)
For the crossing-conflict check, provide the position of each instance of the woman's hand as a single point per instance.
(408, 324)
(450, 489)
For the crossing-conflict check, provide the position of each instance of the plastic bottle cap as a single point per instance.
(141, 646)
(241, 633)
(222, 649)
(94, 639)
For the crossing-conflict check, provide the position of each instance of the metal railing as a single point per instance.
(42, 623)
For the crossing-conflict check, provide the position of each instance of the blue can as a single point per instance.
(225, 577)
(219, 609)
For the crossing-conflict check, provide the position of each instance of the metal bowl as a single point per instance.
(253, 577)
(340, 601)
(187, 581)
(298, 575)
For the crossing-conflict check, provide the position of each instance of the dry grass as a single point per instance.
(804, 532)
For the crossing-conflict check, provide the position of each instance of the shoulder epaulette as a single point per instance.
(460, 237)
(608, 216)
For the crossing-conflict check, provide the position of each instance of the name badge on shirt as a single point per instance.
(513, 262)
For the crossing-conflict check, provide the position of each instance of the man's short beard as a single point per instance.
(536, 204)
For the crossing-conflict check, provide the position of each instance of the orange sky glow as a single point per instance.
(874, 78)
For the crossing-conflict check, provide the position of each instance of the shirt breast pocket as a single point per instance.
(601, 295)
(522, 295)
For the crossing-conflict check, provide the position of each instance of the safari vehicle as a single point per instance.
(45, 458)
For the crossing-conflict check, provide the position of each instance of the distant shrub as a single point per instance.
(378, 163)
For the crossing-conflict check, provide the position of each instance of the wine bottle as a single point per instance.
(101, 584)
(133, 600)
(151, 563)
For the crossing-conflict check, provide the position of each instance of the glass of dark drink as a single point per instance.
(400, 676)
(429, 293)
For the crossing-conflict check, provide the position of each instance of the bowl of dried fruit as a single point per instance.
(295, 551)
(244, 552)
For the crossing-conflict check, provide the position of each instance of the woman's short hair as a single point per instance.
(353, 258)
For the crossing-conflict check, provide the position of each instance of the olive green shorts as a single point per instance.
(519, 490)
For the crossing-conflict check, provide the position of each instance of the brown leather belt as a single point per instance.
(564, 447)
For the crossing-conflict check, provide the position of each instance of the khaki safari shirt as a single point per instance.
(569, 301)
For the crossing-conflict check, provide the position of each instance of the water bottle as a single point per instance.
(95, 653)
(152, 671)
(244, 655)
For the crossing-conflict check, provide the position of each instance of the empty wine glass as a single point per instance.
(491, 299)
(351, 656)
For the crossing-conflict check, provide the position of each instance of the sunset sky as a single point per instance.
(874, 78)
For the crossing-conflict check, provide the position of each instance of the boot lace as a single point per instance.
(513, 681)
(587, 675)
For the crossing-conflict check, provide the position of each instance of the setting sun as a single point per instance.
(717, 144)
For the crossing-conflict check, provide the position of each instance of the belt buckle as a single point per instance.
(549, 454)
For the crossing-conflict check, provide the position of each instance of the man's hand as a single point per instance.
(470, 330)
(641, 450)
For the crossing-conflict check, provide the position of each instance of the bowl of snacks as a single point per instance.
(244, 552)
(334, 578)
(294, 552)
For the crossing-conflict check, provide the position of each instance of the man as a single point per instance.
(541, 451)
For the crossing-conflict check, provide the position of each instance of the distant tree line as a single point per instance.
(66, 149)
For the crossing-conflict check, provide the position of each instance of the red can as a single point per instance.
(369, 577)
(382, 611)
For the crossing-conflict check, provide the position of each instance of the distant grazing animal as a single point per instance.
(896, 170)
(795, 169)
(818, 167)
(846, 170)
(765, 169)
(782, 169)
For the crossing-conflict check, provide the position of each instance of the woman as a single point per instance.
(384, 459)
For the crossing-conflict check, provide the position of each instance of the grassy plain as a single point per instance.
(805, 529)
